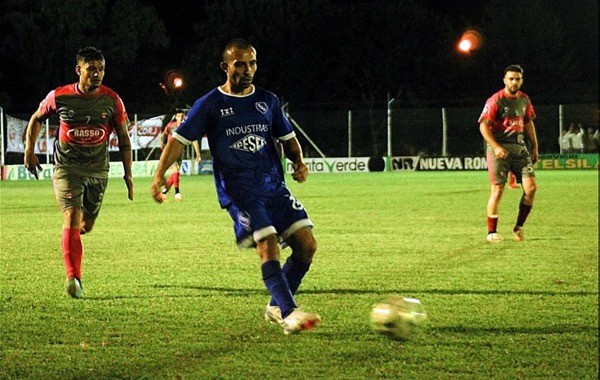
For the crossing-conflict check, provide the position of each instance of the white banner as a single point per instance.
(147, 136)
(16, 133)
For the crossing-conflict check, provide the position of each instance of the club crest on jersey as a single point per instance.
(244, 220)
(227, 112)
(249, 143)
(262, 107)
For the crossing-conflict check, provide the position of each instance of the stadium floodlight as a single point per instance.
(469, 41)
(173, 82)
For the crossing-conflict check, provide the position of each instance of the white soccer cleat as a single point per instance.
(494, 238)
(518, 233)
(73, 288)
(178, 197)
(273, 315)
(299, 321)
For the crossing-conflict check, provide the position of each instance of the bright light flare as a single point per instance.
(469, 41)
(465, 46)
(173, 82)
(178, 82)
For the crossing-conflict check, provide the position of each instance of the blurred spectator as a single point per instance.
(564, 141)
(576, 138)
(591, 140)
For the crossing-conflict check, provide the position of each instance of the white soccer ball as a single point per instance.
(398, 317)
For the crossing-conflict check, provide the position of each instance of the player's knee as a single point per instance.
(306, 248)
(530, 188)
(311, 247)
(268, 248)
(533, 189)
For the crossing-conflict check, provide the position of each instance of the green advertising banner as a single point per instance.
(567, 161)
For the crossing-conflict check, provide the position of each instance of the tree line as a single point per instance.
(311, 53)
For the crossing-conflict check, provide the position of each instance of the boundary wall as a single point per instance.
(338, 165)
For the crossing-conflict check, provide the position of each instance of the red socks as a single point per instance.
(72, 249)
(492, 223)
(173, 180)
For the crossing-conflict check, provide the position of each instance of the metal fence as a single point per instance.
(400, 131)
(421, 131)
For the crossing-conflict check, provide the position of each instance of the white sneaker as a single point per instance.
(273, 315)
(494, 238)
(518, 233)
(73, 288)
(178, 197)
(299, 320)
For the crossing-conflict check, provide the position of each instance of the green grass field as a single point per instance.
(169, 296)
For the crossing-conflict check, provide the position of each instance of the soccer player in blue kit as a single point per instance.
(242, 122)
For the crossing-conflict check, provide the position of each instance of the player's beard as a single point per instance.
(94, 84)
(513, 90)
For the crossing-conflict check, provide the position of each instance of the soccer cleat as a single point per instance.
(273, 315)
(73, 288)
(178, 197)
(518, 233)
(299, 321)
(493, 237)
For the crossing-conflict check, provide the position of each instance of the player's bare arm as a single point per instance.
(164, 137)
(32, 163)
(169, 155)
(197, 150)
(532, 137)
(293, 151)
(125, 150)
(499, 151)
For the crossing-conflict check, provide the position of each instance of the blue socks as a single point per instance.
(278, 286)
(294, 272)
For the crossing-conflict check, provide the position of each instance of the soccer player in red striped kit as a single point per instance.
(88, 113)
(506, 124)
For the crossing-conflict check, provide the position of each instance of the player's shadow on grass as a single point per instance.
(339, 291)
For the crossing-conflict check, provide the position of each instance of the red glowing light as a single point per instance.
(469, 41)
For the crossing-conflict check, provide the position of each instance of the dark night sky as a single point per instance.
(179, 17)
(188, 50)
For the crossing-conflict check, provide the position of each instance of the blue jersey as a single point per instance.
(242, 133)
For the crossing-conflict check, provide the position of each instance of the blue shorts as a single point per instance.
(257, 215)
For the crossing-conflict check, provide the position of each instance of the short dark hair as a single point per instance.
(89, 53)
(514, 68)
(238, 43)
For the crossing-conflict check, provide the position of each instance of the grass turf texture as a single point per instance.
(169, 296)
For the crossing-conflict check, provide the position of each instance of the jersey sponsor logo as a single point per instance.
(86, 135)
(512, 125)
(245, 129)
(227, 112)
(262, 107)
(250, 143)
